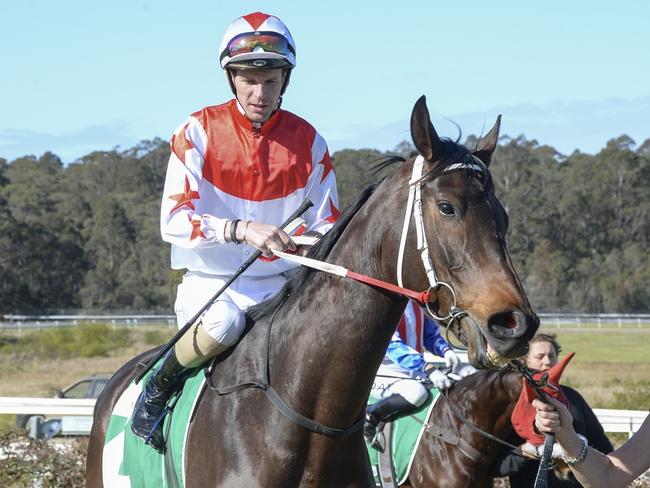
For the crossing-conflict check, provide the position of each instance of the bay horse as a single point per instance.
(452, 453)
(326, 336)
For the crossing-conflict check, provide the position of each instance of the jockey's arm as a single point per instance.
(403, 355)
(433, 340)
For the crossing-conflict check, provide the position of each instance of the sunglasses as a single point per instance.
(270, 42)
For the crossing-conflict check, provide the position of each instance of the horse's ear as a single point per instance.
(424, 136)
(488, 143)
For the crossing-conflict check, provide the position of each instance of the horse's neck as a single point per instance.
(490, 406)
(341, 328)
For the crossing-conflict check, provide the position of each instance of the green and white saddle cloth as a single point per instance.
(128, 462)
(406, 434)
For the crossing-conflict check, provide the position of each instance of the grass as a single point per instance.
(609, 366)
(610, 346)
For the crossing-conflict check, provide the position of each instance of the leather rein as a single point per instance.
(455, 439)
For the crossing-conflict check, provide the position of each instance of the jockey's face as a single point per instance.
(541, 356)
(258, 91)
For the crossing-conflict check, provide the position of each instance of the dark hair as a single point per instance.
(552, 338)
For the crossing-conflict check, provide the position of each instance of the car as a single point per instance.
(88, 387)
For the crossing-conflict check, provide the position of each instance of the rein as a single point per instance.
(464, 446)
(422, 297)
(287, 411)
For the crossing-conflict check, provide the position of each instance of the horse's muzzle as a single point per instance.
(509, 332)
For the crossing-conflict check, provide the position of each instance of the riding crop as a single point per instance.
(304, 206)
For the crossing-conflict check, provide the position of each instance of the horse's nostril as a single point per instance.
(510, 321)
(506, 320)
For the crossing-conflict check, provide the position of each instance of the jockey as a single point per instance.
(236, 171)
(399, 381)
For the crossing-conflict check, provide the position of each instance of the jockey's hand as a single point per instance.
(465, 370)
(265, 237)
(440, 380)
(529, 451)
(303, 249)
(452, 361)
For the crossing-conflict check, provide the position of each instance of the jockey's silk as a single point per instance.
(222, 167)
(407, 433)
(411, 326)
(415, 332)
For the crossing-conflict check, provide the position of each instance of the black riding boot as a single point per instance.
(151, 407)
(385, 410)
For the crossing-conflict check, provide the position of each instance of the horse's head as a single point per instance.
(477, 292)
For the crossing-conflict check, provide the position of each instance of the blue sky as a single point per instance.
(82, 76)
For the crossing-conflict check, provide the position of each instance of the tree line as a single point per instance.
(86, 235)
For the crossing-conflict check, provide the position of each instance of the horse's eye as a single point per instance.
(446, 208)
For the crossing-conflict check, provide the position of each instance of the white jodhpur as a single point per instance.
(391, 380)
(224, 321)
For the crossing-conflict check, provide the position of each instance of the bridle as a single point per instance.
(455, 439)
(414, 208)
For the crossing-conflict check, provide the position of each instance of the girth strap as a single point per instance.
(307, 423)
(454, 439)
(286, 410)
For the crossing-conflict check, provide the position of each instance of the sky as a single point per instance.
(80, 76)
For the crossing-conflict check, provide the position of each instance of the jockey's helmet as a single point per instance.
(257, 41)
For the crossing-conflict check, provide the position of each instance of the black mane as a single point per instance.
(320, 251)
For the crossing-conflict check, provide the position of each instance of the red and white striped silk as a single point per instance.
(222, 168)
(411, 326)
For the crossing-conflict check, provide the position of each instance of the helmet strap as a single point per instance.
(230, 75)
(285, 82)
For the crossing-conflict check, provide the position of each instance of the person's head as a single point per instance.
(258, 54)
(543, 352)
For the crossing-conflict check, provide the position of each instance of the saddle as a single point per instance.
(128, 461)
(398, 442)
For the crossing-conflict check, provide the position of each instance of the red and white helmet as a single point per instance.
(259, 41)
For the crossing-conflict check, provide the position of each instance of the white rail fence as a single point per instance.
(548, 320)
(595, 321)
(20, 322)
(76, 415)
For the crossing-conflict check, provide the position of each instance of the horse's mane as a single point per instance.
(319, 251)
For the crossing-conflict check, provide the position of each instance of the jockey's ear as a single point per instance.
(488, 143)
(424, 136)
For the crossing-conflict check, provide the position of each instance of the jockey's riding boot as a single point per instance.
(151, 407)
(385, 410)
